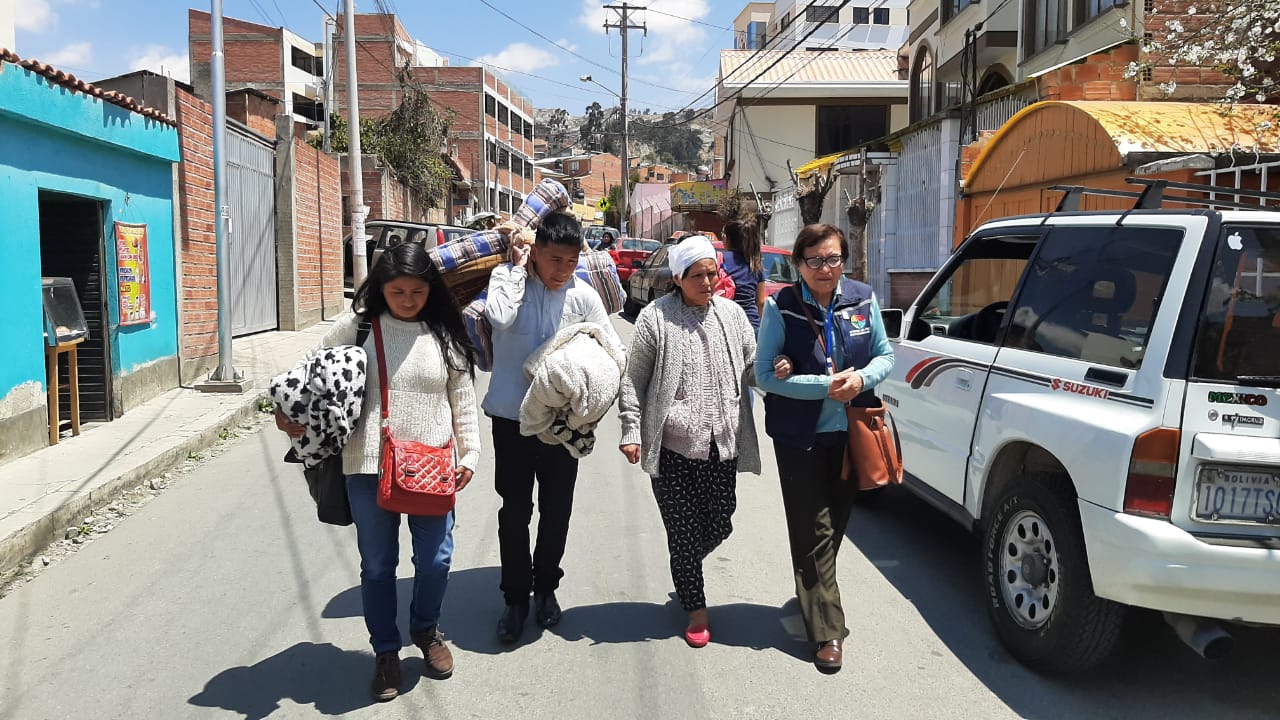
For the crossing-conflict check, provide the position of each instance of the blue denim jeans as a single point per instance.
(378, 537)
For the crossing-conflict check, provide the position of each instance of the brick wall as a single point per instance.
(253, 54)
(1100, 76)
(198, 296)
(318, 231)
(258, 113)
(1192, 83)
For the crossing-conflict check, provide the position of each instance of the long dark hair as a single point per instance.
(440, 313)
(742, 237)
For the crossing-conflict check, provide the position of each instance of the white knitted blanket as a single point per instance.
(575, 378)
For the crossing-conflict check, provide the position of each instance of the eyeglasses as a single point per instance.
(831, 261)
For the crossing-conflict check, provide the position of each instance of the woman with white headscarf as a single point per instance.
(686, 416)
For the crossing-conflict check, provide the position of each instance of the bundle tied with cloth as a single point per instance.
(574, 378)
(467, 263)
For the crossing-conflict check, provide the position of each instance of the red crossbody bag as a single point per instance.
(413, 478)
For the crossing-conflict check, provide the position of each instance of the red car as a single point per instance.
(653, 279)
(630, 254)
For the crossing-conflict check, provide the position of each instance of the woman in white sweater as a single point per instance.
(430, 361)
(686, 416)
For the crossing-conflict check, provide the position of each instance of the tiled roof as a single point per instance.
(68, 80)
(737, 67)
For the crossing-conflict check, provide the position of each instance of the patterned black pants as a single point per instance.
(696, 499)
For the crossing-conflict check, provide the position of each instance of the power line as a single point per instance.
(759, 75)
(690, 20)
(575, 53)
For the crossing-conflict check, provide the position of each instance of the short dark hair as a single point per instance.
(559, 229)
(811, 235)
(440, 313)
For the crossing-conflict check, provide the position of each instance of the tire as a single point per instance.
(1043, 606)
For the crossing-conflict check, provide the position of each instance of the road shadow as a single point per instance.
(473, 605)
(935, 564)
(332, 680)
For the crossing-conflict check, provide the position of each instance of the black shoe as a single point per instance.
(386, 677)
(546, 609)
(511, 625)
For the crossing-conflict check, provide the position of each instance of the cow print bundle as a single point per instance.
(325, 394)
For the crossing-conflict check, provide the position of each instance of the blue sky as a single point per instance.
(101, 38)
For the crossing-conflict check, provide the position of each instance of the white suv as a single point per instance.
(1096, 393)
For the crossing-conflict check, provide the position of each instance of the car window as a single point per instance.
(1239, 331)
(420, 237)
(657, 258)
(970, 303)
(1092, 293)
(778, 269)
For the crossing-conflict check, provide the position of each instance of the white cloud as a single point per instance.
(521, 56)
(35, 16)
(680, 75)
(163, 60)
(570, 46)
(669, 38)
(75, 55)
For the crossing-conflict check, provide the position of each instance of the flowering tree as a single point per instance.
(1239, 38)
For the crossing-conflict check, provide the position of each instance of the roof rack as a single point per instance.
(1153, 195)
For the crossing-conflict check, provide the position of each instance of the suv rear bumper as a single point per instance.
(1153, 564)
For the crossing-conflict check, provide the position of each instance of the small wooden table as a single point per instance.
(51, 354)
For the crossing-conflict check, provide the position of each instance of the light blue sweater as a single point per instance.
(815, 387)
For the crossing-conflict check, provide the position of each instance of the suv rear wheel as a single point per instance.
(1041, 596)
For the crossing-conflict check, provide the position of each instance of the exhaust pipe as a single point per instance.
(1205, 636)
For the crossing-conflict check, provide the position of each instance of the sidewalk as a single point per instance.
(52, 489)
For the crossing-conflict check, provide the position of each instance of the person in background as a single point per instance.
(530, 299)
(606, 242)
(686, 417)
(431, 361)
(809, 377)
(743, 262)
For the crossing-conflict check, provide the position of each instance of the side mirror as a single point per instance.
(892, 320)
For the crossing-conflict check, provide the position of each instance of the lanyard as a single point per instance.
(828, 348)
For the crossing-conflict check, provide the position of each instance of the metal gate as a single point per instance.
(252, 236)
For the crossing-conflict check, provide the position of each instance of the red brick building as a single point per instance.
(592, 174)
(494, 158)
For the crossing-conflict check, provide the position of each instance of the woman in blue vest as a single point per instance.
(810, 371)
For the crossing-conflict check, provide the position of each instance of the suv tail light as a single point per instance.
(439, 236)
(1153, 473)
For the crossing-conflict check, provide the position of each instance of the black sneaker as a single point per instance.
(511, 625)
(386, 676)
(546, 609)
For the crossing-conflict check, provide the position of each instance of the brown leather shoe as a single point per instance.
(830, 655)
(435, 653)
(386, 677)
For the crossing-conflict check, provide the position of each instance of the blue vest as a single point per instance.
(794, 422)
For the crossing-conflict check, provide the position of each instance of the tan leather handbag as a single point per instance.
(872, 455)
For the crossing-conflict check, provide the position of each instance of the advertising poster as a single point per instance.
(133, 276)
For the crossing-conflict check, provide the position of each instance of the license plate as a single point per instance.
(1226, 494)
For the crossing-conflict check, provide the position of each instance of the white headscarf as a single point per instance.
(687, 252)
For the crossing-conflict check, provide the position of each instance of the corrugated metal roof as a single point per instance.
(737, 67)
(1161, 127)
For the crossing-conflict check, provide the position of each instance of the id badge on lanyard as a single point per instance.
(829, 346)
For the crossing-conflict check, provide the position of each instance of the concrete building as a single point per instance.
(809, 104)
(860, 25)
(587, 177)
(87, 194)
(751, 27)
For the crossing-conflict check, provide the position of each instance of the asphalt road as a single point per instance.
(224, 598)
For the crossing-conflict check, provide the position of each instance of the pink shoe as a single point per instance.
(697, 635)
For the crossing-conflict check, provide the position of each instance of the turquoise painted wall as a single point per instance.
(54, 139)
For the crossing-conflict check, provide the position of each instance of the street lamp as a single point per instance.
(626, 161)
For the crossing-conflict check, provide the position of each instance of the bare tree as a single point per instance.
(811, 194)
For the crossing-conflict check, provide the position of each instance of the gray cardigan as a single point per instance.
(653, 376)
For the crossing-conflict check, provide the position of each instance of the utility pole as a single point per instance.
(224, 378)
(359, 251)
(623, 26)
(330, 26)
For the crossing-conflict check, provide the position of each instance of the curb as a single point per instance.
(27, 541)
